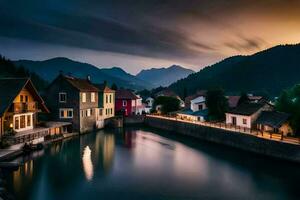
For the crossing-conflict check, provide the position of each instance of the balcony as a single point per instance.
(23, 107)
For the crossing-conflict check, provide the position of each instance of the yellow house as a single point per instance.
(19, 106)
(106, 101)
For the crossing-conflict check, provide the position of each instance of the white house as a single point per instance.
(246, 114)
(138, 106)
(149, 102)
(197, 111)
(198, 104)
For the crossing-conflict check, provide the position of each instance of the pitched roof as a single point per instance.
(11, 87)
(247, 108)
(166, 92)
(203, 113)
(272, 118)
(125, 94)
(81, 84)
(103, 88)
(188, 99)
(233, 101)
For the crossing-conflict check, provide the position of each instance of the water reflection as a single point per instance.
(23, 175)
(145, 164)
(87, 163)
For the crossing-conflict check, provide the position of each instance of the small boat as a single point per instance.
(32, 147)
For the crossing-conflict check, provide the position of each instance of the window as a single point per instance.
(93, 97)
(62, 97)
(28, 120)
(26, 98)
(17, 123)
(21, 98)
(66, 113)
(110, 98)
(124, 103)
(106, 111)
(244, 121)
(111, 111)
(106, 98)
(83, 97)
(200, 107)
(88, 112)
(100, 112)
(22, 121)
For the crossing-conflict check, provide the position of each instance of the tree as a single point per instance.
(184, 93)
(243, 99)
(169, 104)
(114, 87)
(289, 102)
(216, 103)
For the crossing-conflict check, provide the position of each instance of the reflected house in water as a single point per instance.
(97, 154)
(23, 176)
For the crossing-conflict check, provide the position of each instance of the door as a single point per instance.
(233, 119)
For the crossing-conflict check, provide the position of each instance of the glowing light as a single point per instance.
(87, 163)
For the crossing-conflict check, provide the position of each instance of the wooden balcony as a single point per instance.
(23, 107)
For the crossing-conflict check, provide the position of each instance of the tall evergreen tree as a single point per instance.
(217, 104)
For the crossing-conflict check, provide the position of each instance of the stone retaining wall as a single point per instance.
(243, 141)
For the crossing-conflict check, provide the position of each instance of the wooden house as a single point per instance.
(20, 104)
(274, 122)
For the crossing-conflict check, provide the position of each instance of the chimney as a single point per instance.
(88, 78)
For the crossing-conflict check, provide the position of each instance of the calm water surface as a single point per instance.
(139, 163)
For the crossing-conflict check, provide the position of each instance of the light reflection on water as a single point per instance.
(87, 163)
(139, 164)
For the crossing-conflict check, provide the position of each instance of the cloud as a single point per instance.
(163, 29)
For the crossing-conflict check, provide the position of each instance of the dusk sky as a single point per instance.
(138, 34)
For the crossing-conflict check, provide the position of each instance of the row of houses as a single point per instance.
(257, 113)
(69, 104)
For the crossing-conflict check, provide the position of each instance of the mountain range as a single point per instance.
(49, 69)
(268, 72)
(164, 76)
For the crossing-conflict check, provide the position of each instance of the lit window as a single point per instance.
(88, 112)
(62, 97)
(83, 97)
(28, 120)
(93, 97)
(66, 113)
(124, 103)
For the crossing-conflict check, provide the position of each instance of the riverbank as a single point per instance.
(248, 142)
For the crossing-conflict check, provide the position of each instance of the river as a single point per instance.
(143, 163)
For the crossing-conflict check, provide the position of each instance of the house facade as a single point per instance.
(197, 111)
(20, 104)
(74, 100)
(246, 114)
(126, 103)
(274, 122)
(198, 104)
(106, 101)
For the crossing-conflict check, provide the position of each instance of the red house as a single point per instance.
(125, 102)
